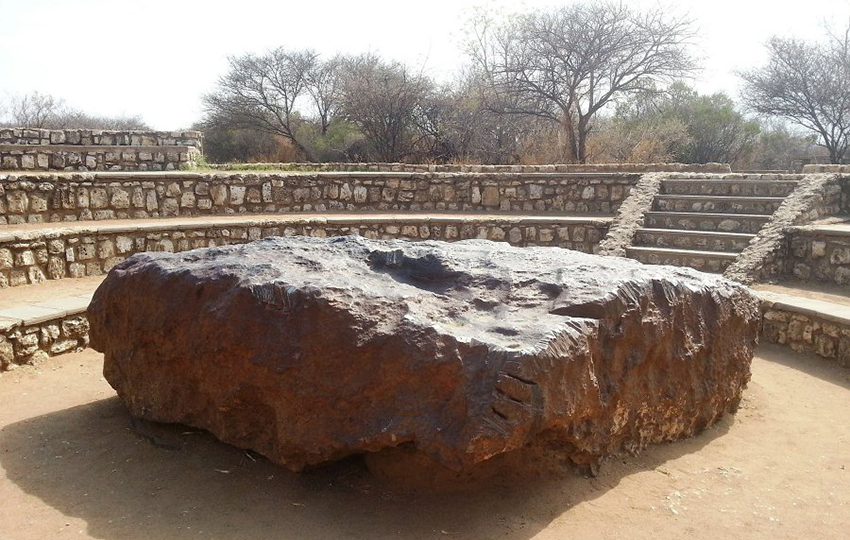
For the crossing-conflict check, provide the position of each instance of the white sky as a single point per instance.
(157, 57)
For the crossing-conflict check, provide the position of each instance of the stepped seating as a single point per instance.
(61, 233)
(705, 223)
(48, 319)
(808, 318)
(49, 270)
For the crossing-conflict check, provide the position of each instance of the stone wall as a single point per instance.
(87, 149)
(72, 197)
(471, 168)
(26, 344)
(35, 256)
(630, 216)
(806, 332)
(816, 196)
(819, 254)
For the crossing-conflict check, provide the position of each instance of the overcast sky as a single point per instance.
(157, 57)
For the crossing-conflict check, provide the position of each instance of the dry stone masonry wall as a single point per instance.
(471, 168)
(25, 344)
(29, 258)
(816, 196)
(819, 254)
(97, 150)
(76, 197)
(630, 216)
(807, 332)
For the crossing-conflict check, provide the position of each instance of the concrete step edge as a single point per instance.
(688, 232)
(709, 215)
(9, 233)
(720, 198)
(822, 309)
(683, 252)
(29, 314)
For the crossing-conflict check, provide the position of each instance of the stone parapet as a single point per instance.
(99, 137)
(820, 253)
(815, 196)
(37, 198)
(471, 168)
(33, 256)
(87, 149)
(33, 333)
(809, 326)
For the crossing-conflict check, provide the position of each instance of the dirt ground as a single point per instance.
(71, 466)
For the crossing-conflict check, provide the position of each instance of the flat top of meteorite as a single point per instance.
(507, 297)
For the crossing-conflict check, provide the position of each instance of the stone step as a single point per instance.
(700, 240)
(40, 321)
(707, 261)
(32, 253)
(717, 204)
(699, 221)
(740, 188)
(807, 322)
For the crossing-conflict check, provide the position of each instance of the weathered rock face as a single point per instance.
(307, 350)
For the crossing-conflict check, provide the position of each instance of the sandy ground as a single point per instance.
(71, 466)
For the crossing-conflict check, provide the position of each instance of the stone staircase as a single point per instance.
(705, 223)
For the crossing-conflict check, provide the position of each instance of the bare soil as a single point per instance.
(73, 465)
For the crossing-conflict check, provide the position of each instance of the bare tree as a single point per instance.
(262, 92)
(36, 110)
(381, 98)
(567, 64)
(809, 84)
(324, 84)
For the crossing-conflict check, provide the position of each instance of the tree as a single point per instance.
(324, 84)
(717, 131)
(678, 124)
(779, 148)
(262, 93)
(36, 110)
(808, 84)
(382, 99)
(566, 65)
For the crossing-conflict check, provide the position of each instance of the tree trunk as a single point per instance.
(569, 129)
(582, 130)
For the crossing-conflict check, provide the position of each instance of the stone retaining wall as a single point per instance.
(470, 168)
(33, 257)
(43, 198)
(819, 254)
(630, 216)
(87, 149)
(99, 137)
(764, 259)
(26, 344)
(806, 333)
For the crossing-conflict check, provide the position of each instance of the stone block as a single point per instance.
(120, 198)
(219, 194)
(490, 196)
(17, 202)
(99, 198)
(825, 346)
(840, 255)
(237, 195)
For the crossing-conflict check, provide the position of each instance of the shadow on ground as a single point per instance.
(88, 462)
(826, 369)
